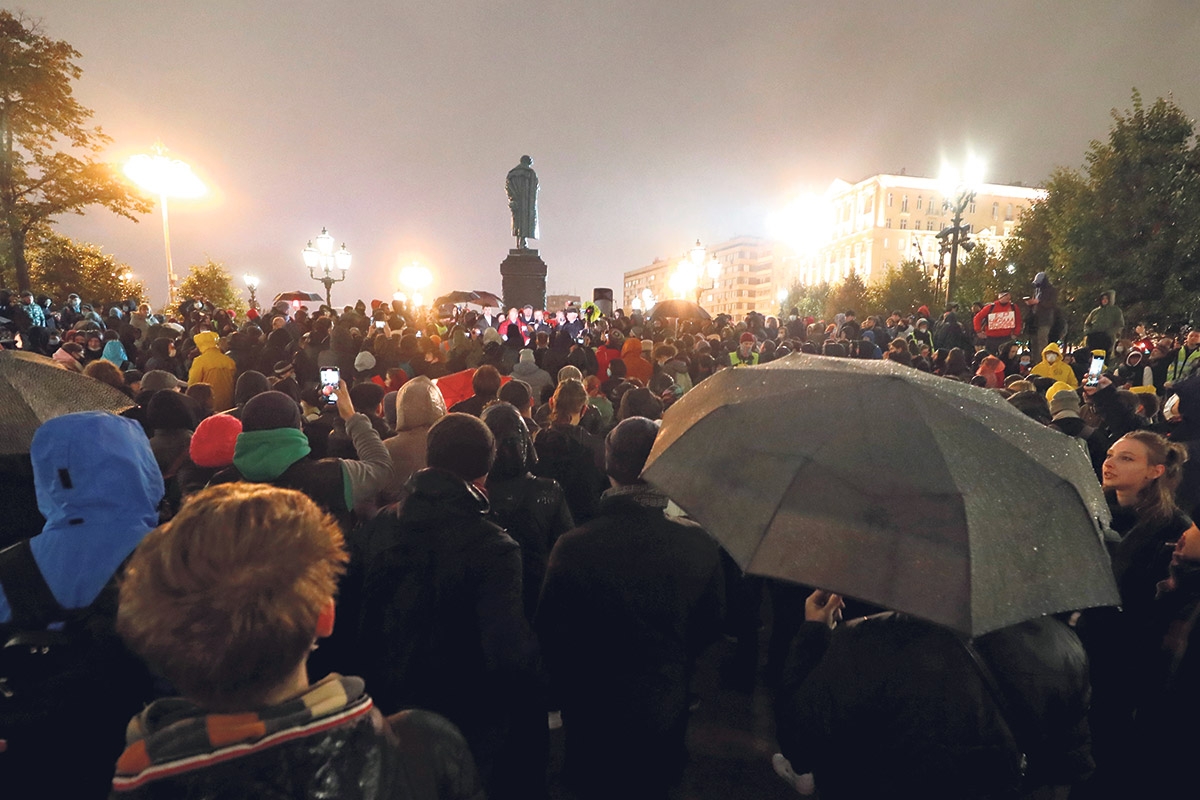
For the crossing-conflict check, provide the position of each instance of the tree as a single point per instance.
(209, 281)
(904, 288)
(849, 294)
(808, 300)
(47, 147)
(59, 266)
(1129, 220)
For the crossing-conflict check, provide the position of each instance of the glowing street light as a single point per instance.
(251, 282)
(414, 278)
(166, 177)
(324, 258)
(959, 184)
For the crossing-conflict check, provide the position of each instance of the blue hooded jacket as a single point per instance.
(98, 486)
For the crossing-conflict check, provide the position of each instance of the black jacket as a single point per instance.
(574, 458)
(534, 512)
(892, 706)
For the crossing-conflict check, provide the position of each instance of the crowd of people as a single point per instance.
(460, 492)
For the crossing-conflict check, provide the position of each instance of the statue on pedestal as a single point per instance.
(522, 188)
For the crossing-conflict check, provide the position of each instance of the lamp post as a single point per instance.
(165, 177)
(323, 257)
(252, 284)
(961, 188)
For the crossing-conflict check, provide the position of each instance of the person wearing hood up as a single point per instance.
(1052, 366)
(1043, 306)
(98, 487)
(419, 404)
(636, 366)
(949, 333)
(527, 370)
(215, 368)
(273, 449)
(921, 333)
(1104, 323)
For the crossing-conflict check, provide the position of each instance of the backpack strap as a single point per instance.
(32, 602)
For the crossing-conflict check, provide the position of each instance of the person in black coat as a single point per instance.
(532, 510)
(631, 599)
(569, 454)
(893, 706)
(430, 610)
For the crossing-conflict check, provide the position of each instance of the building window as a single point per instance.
(903, 224)
(995, 211)
(1008, 213)
(885, 243)
(889, 200)
(929, 225)
(888, 224)
(904, 204)
(972, 206)
(920, 201)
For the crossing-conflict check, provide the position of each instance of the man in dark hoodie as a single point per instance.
(1104, 323)
(1043, 306)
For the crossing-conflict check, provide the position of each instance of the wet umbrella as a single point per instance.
(303, 297)
(455, 298)
(878, 481)
(483, 298)
(677, 309)
(34, 389)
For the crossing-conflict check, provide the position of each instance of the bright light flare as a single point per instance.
(165, 177)
(415, 277)
(805, 224)
(954, 179)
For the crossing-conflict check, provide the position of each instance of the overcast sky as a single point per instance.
(650, 122)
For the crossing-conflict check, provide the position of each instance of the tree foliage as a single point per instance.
(808, 300)
(848, 294)
(1129, 220)
(48, 149)
(59, 266)
(211, 282)
(904, 288)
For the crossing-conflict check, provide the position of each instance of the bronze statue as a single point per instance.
(522, 188)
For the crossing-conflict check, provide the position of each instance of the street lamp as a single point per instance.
(414, 278)
(165, 177)
(252, 284)
(690, 272)
(961, 187)
(324, 258)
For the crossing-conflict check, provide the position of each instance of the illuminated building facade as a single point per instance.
(875, 224)
(733, 277)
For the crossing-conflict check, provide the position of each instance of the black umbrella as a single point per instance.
(455, 298)
(677, 309)
(915, 492)
(34, 389)
(303, 297)
(483, 298)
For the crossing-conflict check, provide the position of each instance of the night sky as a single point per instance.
(650, 123)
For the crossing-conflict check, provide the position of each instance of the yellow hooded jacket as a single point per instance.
(1057, 370)
(214, 368)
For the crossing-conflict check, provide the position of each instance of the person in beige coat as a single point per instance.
(419, 404)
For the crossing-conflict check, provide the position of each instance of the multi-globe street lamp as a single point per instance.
(696, 272)
(323, 258)
(958, 191)
(166, 177)
(251, 282)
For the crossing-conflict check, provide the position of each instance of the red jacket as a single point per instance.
(999, 321)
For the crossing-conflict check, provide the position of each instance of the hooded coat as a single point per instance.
(98, 487)
(419, 404)
(1105, 318)
(214, 368)
(636, 366)
(1058, 370)
(527, 370)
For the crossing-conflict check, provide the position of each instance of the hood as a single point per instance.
(205, 340)
(1053, 348)
(525, 367)
(951, 318)
(419, 404)
(632, 347)
(250, 384)
(98, 486)
(1111, 294)
(1041, 279)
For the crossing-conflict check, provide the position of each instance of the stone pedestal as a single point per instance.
(523, 277)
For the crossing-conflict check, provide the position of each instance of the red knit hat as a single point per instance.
(747, 338)
(214, 439)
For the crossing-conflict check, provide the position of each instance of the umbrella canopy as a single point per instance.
(483, 298)
(34, 389)
(677, 309)
(303, 297)
(918, 493)
(455, 298)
